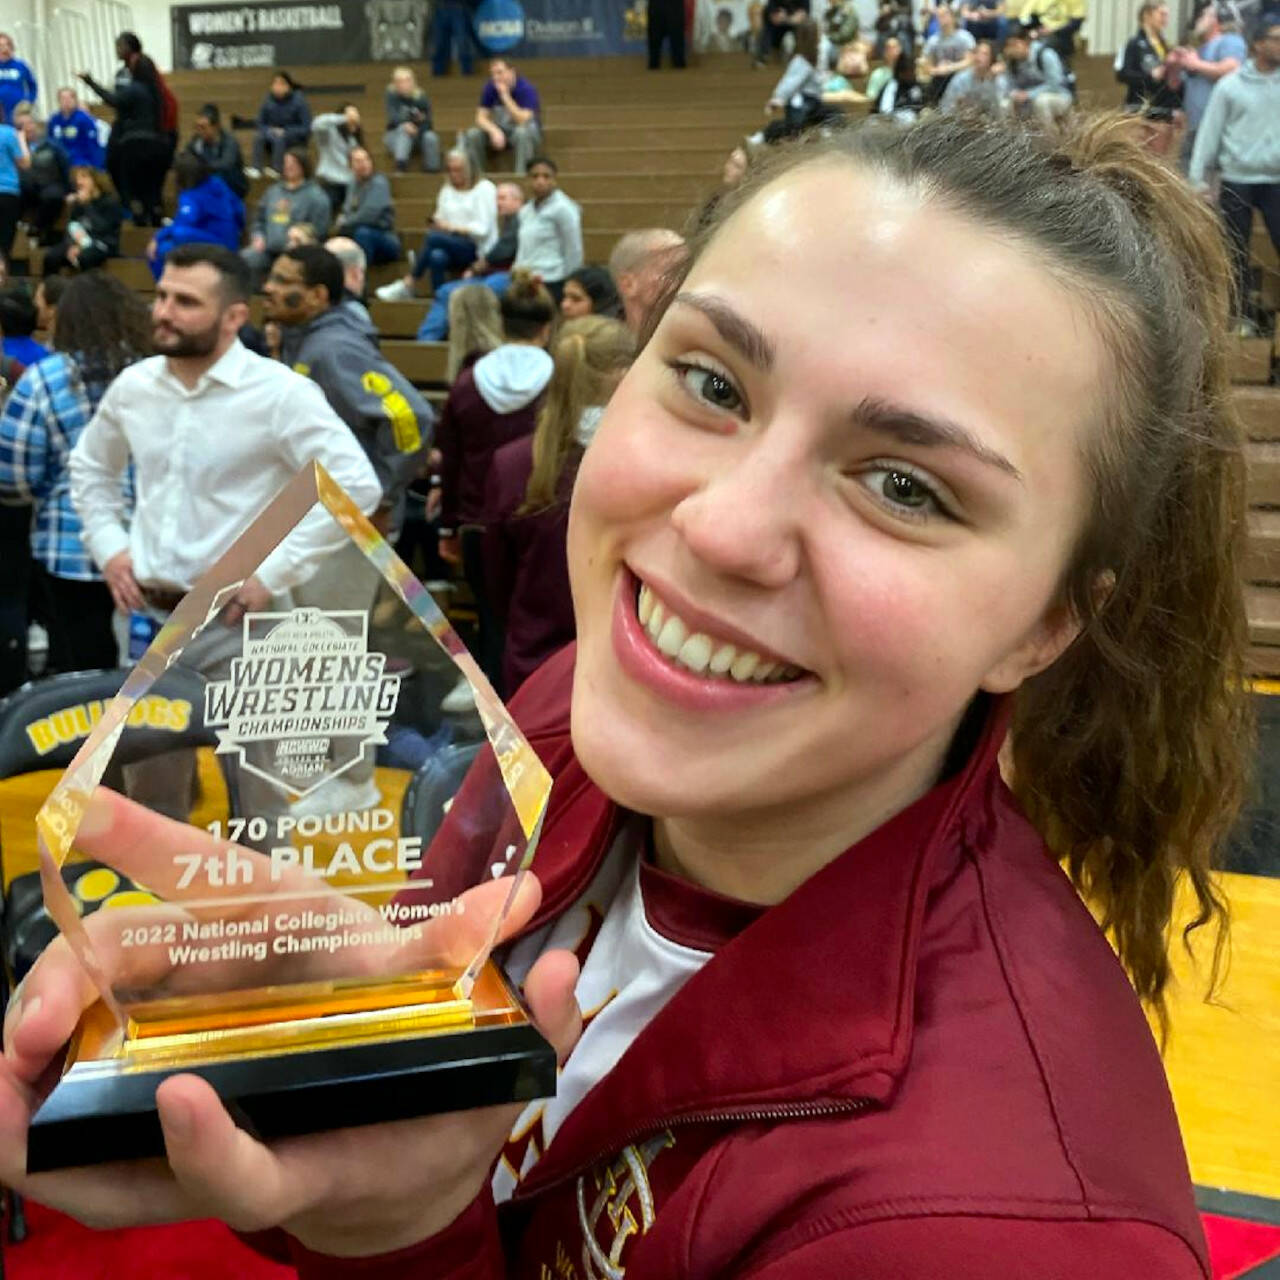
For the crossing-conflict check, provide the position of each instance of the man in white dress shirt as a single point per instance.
(214, 433)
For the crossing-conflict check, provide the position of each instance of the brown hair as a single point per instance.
(806, 34)
(1131, 752)
(590, 355)
(475, 324)
(101, 181)
(102, 322)
(527, 308)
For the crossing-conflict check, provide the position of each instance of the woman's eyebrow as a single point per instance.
(748, 340)
(911, 427)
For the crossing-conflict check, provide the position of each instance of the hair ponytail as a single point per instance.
(590, 355)
(527, 307)
(1131, 753)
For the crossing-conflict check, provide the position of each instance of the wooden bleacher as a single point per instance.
(636, 150)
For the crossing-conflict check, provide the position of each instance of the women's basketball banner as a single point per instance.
(284, 33)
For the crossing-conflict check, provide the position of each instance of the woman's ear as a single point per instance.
(1046, 643)
(1056, 631)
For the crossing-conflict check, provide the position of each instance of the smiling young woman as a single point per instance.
(845, 1015)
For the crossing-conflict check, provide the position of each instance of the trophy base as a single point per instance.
(406, 1062)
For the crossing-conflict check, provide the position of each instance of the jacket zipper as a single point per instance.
(795, 1111)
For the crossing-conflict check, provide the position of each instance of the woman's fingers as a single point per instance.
(221, 1167)
(549, 990)
(45, 1010)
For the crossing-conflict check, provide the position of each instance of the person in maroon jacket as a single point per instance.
(880, 667)
(493, 401)
(526, 498)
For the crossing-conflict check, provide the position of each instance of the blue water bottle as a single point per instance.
(142, 630)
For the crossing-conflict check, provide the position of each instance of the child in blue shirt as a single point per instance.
(209, 212)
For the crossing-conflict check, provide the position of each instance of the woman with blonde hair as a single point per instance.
(409, 123)
(526, 500)
(475, 327)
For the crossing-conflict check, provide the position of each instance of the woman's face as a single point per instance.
(85, 187)
(575, 302)
(878, 535)
(456, 171)
(291, 170)
(892, 51)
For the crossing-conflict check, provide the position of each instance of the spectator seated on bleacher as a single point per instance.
(501, 254)
(979, 87)
(837, 85)
(948, 51)
(893, 21)
(94, 218)
(1056, 23)
(798, 94)
(901, 95)
(590, 291)
(218, 148)
(508, 117)
(337, 134)
(986, 21)
(526, 497)
(209, 212)
(46, 181)
(284, 122)
(409, 123)
(880, 75)
(76, 131)
(354, 274)
(1038, 79)
(296, 197)
(368, 214)
(17, 325)
(779, 19)
(463, 228)
(494, 401)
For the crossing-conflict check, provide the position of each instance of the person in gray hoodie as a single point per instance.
(549, 230)
(295, 198)
(1240, 137)
(326, 341)
(368, 213)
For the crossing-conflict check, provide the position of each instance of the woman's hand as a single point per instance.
(330, 1190)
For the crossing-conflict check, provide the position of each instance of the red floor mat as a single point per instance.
(60, 1249)
(1237, 1246)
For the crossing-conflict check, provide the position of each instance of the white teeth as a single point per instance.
(722, 659)
(672, 636)
(695, 653)
(699, 653)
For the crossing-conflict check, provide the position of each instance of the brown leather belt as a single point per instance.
(165, 599)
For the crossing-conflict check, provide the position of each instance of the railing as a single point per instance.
(72, 40)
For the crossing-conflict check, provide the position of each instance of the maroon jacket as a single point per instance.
(467, 435)
(526, 567)
(926, 1062)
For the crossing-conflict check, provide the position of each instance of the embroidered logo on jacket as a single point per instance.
(615, 1205)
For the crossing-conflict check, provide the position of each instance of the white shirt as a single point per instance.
(642, 954)
(474, 210)
(206, 462)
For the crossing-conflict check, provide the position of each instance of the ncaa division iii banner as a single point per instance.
(283, 33)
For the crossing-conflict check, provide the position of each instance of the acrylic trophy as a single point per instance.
(303, 911)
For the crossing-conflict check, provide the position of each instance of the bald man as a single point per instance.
(638, 264)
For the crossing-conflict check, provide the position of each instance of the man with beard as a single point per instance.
(214, 432)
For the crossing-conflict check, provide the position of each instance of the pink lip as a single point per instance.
(674, 683)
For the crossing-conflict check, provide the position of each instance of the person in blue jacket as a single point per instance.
(76, 132)
(17, 80)
(209, 212)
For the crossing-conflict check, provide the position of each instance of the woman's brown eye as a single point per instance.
(904, 489)
(711, 387)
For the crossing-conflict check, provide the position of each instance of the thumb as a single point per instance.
(549, 989)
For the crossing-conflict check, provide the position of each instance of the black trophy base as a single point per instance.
(96, 1114)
